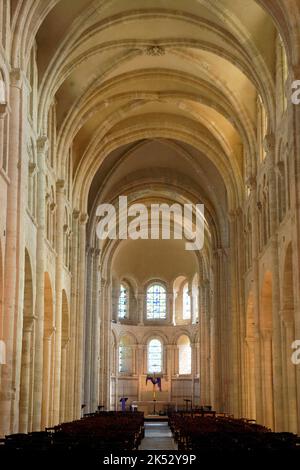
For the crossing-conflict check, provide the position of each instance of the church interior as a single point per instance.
(164, 102)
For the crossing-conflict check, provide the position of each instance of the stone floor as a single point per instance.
(158, 436)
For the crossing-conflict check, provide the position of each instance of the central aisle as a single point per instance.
(158, 436)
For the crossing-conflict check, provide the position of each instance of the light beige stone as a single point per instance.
(162, 101)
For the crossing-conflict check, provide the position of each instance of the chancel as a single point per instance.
(169, 103)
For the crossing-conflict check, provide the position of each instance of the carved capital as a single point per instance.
(269, 143)
(97, 252)
(90, 250)
(251, 182)
(16, 77)
(83, 218)
(42, 144)
(52, 206)
(60, 185)
(32, 168)
(76, 214)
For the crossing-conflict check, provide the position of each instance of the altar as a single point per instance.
(147, 407)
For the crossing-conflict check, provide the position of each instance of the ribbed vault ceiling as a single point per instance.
(155, 90)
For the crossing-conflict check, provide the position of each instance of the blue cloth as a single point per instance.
(123, 401)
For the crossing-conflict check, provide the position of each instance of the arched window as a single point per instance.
(186, 303)
(156, 302)
(125, 355)
(155, 351)
(123, 302)
(185, 355)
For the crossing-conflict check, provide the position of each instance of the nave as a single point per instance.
(205, 434)
(134, 104)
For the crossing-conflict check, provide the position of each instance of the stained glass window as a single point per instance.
(156, 302)
(186, 310)
(154, 356)
(123, 300)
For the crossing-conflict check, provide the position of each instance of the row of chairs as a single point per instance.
(221, 433)
(94, 434)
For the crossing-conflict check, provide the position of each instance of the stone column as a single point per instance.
(42, 148)
(197, 375)
(7, 393)
(20, 273)
(105, 343)
(170, 307)
(96, 333)
(73, 317)
(80, 314)
(294, 178)
(64, 353)
(256, 304)
(28, 323)
(207, 386)
(88, 328)
(291, 387)
(193, 370)
(140, 371)
(47, 350)
(250, 374)
(3, 116)
(236, 287)
(269, 144)
(268, 379)
(202, 337)
(169, 348)
(141, 304)
(220, 336)
(134, 363)
(60, 199)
